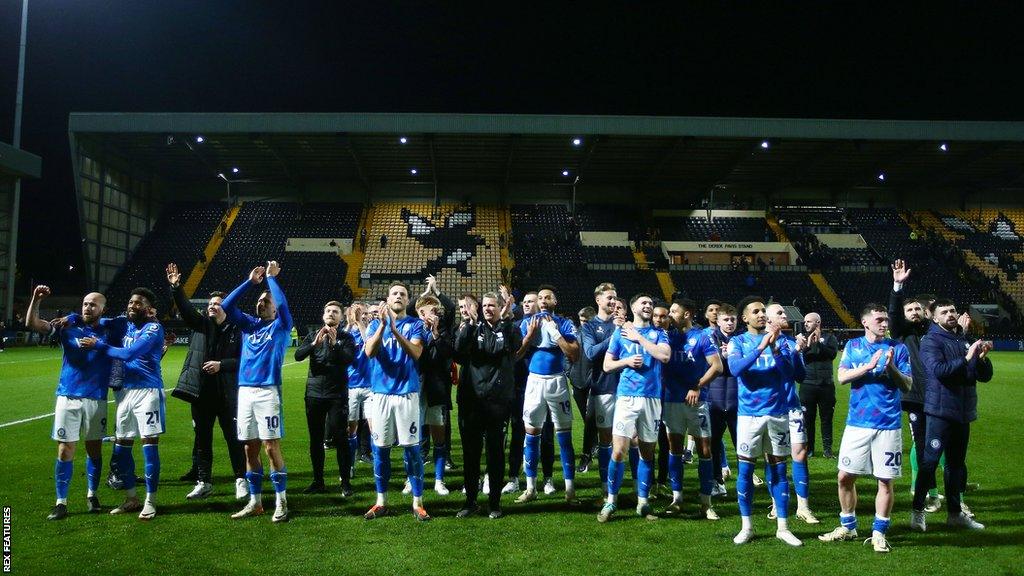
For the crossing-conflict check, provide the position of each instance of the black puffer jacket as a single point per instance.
(487, 355)
(910, 334)
(209, 341)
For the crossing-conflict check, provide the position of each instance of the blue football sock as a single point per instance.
(634, 457)
(675, 471)
(880, 524)
(414, 468)
(780, 490)
(531, 448)
(566, 454)
(616, 470)
(353, 448)
(744, 483)
(279, 478)
(801, 476)
(381, 468)
(125, 465)
(604, 455)
(848, 521)
(92, 472)
(62, 472)
(255, 480)
(706, 473)
(440, 456)
(768, 475)
(151, 460)
(644, 475)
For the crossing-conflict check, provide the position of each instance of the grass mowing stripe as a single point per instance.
(327, 534)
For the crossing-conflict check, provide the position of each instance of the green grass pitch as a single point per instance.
(327, 534)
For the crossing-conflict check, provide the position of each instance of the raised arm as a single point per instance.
(193, 319)
(897, 321)
(283, 314)
(230, 303)
(32, 320)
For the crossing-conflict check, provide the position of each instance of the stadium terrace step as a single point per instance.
(833, 299)
(219, 234)
(668, 288)
(776, 228)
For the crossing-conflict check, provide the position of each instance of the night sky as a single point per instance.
(639, 58)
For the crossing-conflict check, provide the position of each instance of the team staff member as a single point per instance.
(486, 349)
(330, 352)
(817, 391)
(951, 403)
(209, 383)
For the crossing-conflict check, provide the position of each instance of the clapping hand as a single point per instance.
(964, 320)
(257, 274)
(273, 268)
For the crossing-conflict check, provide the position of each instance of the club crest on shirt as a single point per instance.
(61, 433)
(936, 443)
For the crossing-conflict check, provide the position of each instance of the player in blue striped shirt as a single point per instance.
(694, 364)
(797, 432)
(552, 338)
(762, 361)
(141, 405)
(358, 378)
(260, 414)
(877, 369)
(638, 349)
(81, 409)
(393, 344)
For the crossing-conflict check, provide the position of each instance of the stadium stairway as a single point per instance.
(505, 225)
(668, 287)
(196, 275)
(930, 221)
(776, 228)
(832, 298)
(354, 261)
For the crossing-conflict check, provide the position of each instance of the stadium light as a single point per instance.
(234, 170)
(414, 171)
(403, 140)
(71, 268)
(565, 172)
(944, 147)
(881, 176)
(200, 139)
(765, 144)
(577, 141)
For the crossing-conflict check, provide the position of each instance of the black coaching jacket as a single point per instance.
(209, 341)
(488, 356)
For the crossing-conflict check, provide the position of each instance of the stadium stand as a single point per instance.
(789, 287)
(700, 229)
(261, 232)
(179, 235)
(457, 244)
